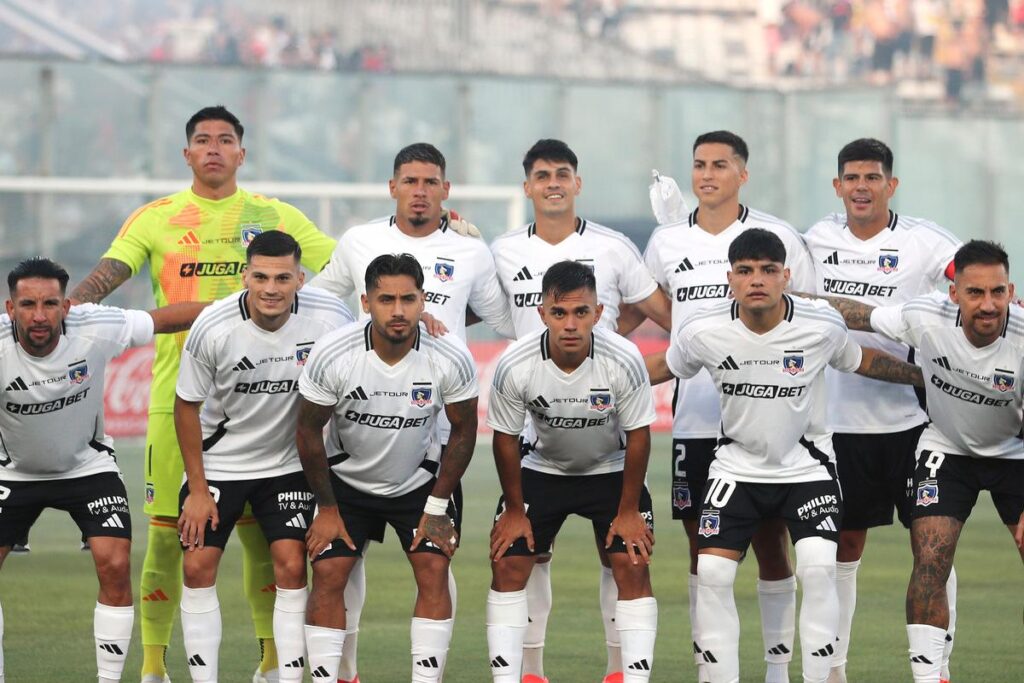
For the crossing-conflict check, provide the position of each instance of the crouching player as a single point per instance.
(241, 363)
(588, 395)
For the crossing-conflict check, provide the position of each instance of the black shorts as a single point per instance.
(948, 485)
(733, 510)
(551, 498)
(366, 516)
(691, 459)
(282, 506)
(876, 472)
(98, 504)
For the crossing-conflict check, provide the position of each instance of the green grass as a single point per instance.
(48, 596)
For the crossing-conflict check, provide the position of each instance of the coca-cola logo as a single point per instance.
(128, 379)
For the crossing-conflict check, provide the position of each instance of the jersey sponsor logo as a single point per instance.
(249, 232)
(267, 386)
(385, 421)
(1002, 379)
(968, 395)
(444, 269)
(78, 371)
(700, 292)
(47, 406)
(420, 396)
(556, 422)
(927, 492)
(528, 299)
(852, 288)
(793, 362)
(107, 505)
(436, 298)
(211, 268)
(820, 505)
(189, 239)
(710, 524)
(888, 262)
(745, 389)
(600, 400)
(302, 352)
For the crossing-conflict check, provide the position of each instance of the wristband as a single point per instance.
(436, 506)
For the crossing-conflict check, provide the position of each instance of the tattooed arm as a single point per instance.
(327, 526)
(107, 276)
(856, 314)
(880, 365)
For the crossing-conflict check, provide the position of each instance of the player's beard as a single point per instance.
(418, 220)
(23, 333)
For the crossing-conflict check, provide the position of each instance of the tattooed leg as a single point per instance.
(933, 540)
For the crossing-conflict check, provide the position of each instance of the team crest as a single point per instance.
(927, 492)
(421, 396)
(150, 492)
(444, 271)
(1002, 380)
(600, 400)
(249, 232)
(709, 524)
(78, 372)
(681, 497)
(793, 364)
(301, 354)
(887, 263)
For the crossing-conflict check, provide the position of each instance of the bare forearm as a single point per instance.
(509, 465)
(107, 276)
(658, 308)
(657, 368)
(458, 453)
(309, 438)
(856, 314)
(638, 450)
(176, 317)
(630, 318)
(880, 365)
(190, 441)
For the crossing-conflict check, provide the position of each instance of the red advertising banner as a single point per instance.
(128, 379)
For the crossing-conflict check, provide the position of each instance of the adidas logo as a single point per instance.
(539, 402)
(320, 672)
(17, 385)
(244, 364)
(826, 525)
(920, 659)
(156, 596)
(112, 649)
(523, 274)
(942, 361)
(684, 266)
(296, 664)
(429, 662)
(189, 239)
(824, 652)
(642, 665)
(832, 259)
(297, 522)
(779, 649)
(498, 662)
(704, 654)
(357, 394)
(196, 660)
(113, 522)
(728, 364)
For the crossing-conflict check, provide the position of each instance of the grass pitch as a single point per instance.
(48, 596)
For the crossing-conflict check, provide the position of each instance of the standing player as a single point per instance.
(877, 257)
(458, 274)
(52, 363)
(194, 243)
(241, 364)
(384, 383)
(767, 352)
(690, 261)
(522, 257)
(591, 406)
(971, 345)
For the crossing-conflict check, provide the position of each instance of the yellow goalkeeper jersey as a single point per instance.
(195, 248)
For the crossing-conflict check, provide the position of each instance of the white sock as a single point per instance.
(355, 596)
(507, 616)
(453, 591)
(637, 622)
(323, 647)
(846, 587)
(430, 639)
(201, 631)
(112, 628)
(289, 638)
(926, 646)
(947, 651)
(819, 609)
(692, 595)
(1, 644)
(538, 600)
(718, 634)
(609, 595)
(778, 626)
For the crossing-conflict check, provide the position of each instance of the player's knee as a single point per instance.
(290, 572)
(815, 562)
(716, 571)
(330, 577)
(510, 573)
(633, 581)
(114, 572)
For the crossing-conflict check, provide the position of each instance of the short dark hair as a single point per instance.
(980, 252)
(549, 149)
(866, 149)
(273, 243)
(40, 267)
(216, 113)
(420, 151)
(757, 244)
(724, 137)
(393, 264)
(567, 276)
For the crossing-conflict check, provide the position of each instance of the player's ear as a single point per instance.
(598, 310)
(1012, 289)
(744, 175)
(10, 309)
(393, 187)
(579, 184)
(836, 185)
(893, 182)
(447, 188)
(301, 279)
(66, 305)
(540, 311)
(365, 303)
(241, 156)
(952, 293)
(785, 276)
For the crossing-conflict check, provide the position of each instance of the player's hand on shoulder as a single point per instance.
(460, 224)
(510, 526)
(326, 528)
(435, 328)
(634, 532)
(198, 508)
(436, 529)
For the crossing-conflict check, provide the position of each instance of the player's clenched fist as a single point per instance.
(327, 527)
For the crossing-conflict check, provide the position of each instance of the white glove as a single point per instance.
(666, 200)
(459, 224)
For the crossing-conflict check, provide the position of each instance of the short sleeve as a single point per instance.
(891, 321)
(506, 410)
(635, 400)
(488, 300)
(316, 246)
(458, 382)
(652, 259)
(139, 328)
(133, 243)
(847, 354)
(336, 277)
(319, 380)
(635, 280)
(196, 374)
(801, 266)
(679, 357)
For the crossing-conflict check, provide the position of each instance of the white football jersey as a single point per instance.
(579, 418)
(52, 418)
(974, 395)
(249, 379)
(771, 387)
(522, 258)
(690, 265)
(458, 271)
(898, 264)
(385, 434)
